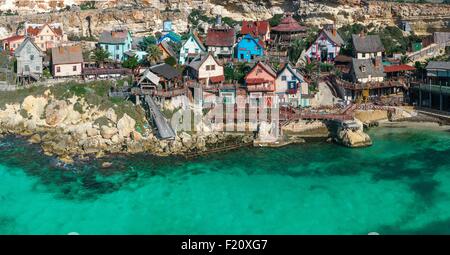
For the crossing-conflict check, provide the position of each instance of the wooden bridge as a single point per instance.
(163, 127)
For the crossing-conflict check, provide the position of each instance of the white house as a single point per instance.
(67, 61)
(206, 69)
(191, 49)
(326, 46)
(291, 88)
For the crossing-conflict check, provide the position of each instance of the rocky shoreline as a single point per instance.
(73, 128)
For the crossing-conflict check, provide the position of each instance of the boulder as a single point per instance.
(126, 125)
(36, 138)
(34, 106)
(56, 112)
(111, 115)
(91, 132)
(108, 132)
(106, 164)
(354, 139)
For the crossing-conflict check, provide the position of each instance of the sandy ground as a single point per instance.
(324, 96)
(416, 125)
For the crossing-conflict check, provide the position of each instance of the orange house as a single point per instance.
(260, 81)
(12, 43)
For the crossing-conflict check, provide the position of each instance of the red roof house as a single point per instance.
(12, 43)
(259, 29)
(221, 41)
(287, 31)
(261, 79)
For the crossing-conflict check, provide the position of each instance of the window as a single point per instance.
(42, 38)
(31, 57)
(283, 78)
(107, 47)
(363, 69)
(213, 67)
(74, 68)
(58, 69)
(42, 45)
(117, 47)
(27, 68)
(196, 50)
(207, 67)
(117, 57)
(186, 50)
(363, 55)
(38, 68)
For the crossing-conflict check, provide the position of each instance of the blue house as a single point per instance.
(249, 48)
(116, 42)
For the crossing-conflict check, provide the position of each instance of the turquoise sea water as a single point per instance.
(400, 185)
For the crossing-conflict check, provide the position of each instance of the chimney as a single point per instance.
(218, 20)
(333, 30)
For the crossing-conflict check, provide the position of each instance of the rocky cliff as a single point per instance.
(147, 15)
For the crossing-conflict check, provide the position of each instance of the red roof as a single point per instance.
(289, 24)
(34, 31)
(217, 79)
(398, 68)
(14, 38)
(255, 28)
(220, 37)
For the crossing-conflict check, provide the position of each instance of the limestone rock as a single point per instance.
(108, 132)
(126, 125)
(34, 106)
(111, 115)
(56, 112)
(36, 138)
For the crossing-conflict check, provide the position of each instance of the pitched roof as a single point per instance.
(371, 69)
(35, 29)
(117, 36)
(22, 45)
(256, 40)
(442, 65)
(67, 55)
(266, 68)
(255, 28)
(222, 37)
(149, 75)
(165, 70)
(13, 38)
(198, 61)
(292, 70)
(197, 40)
(334, 36)
(398, 68)
(289, 24)
(367, 43)
(166, 46)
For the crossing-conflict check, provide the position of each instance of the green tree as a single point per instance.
(100, 55)
(170, 61)
(131, 63)
(275, 20)
(296, 50)
(154, 54)
(405, 59)
(146, 41)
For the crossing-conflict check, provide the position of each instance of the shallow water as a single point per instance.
(400, 185)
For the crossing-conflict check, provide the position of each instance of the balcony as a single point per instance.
(261, 88)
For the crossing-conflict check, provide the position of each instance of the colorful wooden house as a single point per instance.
(287, 31)
(206, 70)
(116, 42)
(46, 35)
(257, 29)
(220, 41)
(12, 43)
(29, 60)
(170, 36)
(249, 49)
(167, 50)
(291, 88)
(191, 48)
(326, 47)
(259, 82)
(67, 61)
